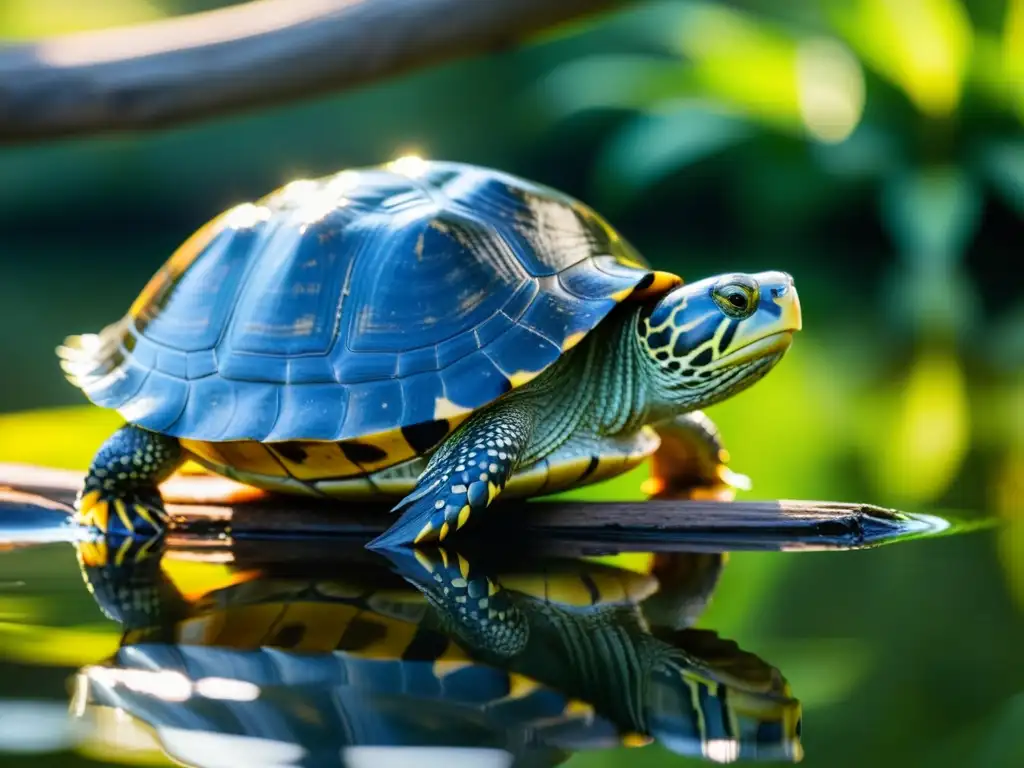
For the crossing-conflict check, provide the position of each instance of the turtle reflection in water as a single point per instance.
(300, 660)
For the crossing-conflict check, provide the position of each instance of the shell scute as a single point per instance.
(192, 298)
(373, 407)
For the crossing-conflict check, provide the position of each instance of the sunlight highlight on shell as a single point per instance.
(245, 216)
(411, 165)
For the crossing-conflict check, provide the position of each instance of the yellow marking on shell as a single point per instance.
(565, 473)
(634, 739)
(492, 588)
(463, 566)
(446, 409)
(352, 488)
(244, 628)
(578, 708)
(392, 444)
(193, 580)
(424, 533)
(463, 517)
(444, 531)
(443, 668)
(444, 556)
(663, 283)
(519, 378)
(572, 340)
(619, 296)
(321, 460)
(324, 624)
(122, 514)
(179, 261)
(391, 644)
(244, 455)
(527, 482)
(492, 491)
(521, 686)
(394, 486)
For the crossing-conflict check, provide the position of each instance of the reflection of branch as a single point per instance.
(255, 54)
(212, 503)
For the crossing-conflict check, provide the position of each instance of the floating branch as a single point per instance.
(256, 54)
(206, 507)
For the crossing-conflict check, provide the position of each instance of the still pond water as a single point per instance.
(321, 653)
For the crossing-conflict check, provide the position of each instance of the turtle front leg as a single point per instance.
(462, 478)
(692, 461)
(120, 494)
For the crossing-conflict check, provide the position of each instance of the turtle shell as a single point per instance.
(393, 298)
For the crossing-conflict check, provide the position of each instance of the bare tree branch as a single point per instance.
(260, 53)
(204, 506)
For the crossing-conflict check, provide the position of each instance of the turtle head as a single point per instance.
(707, 340)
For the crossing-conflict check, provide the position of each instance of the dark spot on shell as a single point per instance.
(426, 645)
(663, 355)
(292, 451)
(360, 633)
(689, 372)
(594, 592)
(288, 636)
(423, 437)
(362, 453)
(645, 282)
(594, 461)
(703, 358)
(675, 365)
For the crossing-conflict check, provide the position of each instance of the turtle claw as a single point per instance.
(120, 515)
(735, 480)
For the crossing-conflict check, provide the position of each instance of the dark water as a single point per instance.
(320, 653)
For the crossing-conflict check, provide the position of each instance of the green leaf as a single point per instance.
(657, 144)
(792, 83)
(922, 46)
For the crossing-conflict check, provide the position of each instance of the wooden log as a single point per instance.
(209, 510)
(251, 55)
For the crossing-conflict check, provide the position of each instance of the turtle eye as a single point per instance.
(737, 299)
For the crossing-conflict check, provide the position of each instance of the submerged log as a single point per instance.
(214, 509)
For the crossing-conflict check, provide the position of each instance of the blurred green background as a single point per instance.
(872, 148)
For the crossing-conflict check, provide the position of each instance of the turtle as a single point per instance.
(424, 331)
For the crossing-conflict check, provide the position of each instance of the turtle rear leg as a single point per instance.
(692, 460)
(465, 475)
(120, 494)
